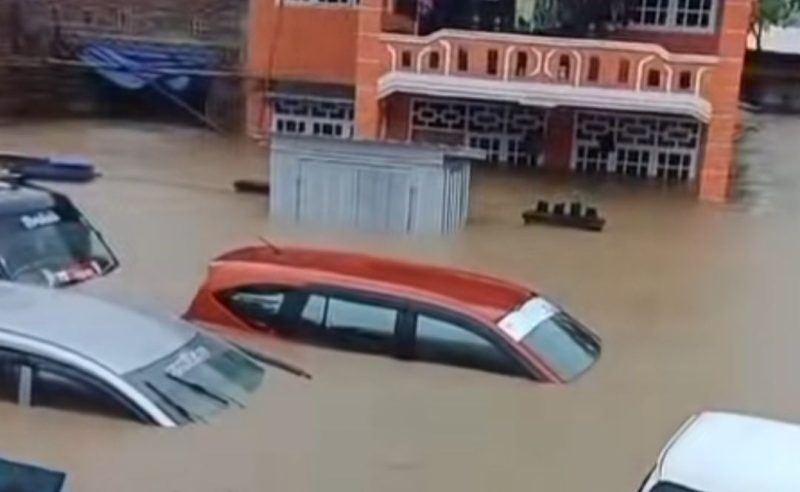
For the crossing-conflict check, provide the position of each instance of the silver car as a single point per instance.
(66, 350)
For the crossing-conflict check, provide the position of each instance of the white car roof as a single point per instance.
(122, 339)
(725, 452)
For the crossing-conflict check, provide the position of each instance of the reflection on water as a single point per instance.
(697, 306)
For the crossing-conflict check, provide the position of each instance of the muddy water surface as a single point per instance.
(698, 307)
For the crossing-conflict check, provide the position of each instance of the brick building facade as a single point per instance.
(657, 99)
(46, 68)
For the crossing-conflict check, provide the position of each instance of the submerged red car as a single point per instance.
(385, 306)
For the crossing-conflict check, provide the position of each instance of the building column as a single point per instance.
(558, 139)
(261, 36)
(719, 160)
(257, 111)
(369, 69)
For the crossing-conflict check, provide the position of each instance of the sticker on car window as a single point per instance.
(187, 361)
(40, 219)
(518, 324)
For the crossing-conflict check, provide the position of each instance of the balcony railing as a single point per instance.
(570, 62)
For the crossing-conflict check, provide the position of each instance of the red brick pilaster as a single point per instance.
(369, 68)
(718, 165)
(259, 119)
(558, 139)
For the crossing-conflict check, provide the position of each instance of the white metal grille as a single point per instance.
(510, 134)
(320, 117)
(643, 146)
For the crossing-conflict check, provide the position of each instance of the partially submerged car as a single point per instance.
(22, 477)
(45, 240)
(65, 350)
(725, 452)
(408, 310)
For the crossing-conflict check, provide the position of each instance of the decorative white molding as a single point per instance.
(421, 57)
(669, 77)
(547, 59)
(578, 67)
(536, 71)
(545, 95)
(507, 61)
(640, 71)
(554, 42)
(699, 76)
(392, 56)
(448, 55)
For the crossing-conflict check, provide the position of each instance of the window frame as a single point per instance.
(526, 368)
(359, 296)
(286, 309)
(37, 362)
(288, 322)
(405, 333)
(671, 22)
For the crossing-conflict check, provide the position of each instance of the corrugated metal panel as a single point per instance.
(368, 186)
(383, 200)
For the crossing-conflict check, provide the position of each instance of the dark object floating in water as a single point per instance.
(17, 477)
(251, 186)
(71, 170)
(586, 219)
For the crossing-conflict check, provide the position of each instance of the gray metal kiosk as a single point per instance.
(369, 185)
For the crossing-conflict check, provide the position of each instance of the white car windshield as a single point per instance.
(199, 380)
(563, 343)
(52, 248)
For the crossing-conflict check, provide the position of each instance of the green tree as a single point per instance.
(768, 13)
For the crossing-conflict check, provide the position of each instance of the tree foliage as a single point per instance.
(769, 13)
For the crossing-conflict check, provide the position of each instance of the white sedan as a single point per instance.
(65, 350)
(725, 452)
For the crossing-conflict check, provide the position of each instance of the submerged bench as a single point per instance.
(577, 217)
(251, 186)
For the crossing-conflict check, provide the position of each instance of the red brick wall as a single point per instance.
(297, 42)
(678, 42)
(207, 20)
(370, 66)
(558, 139)
(719, 155)
(397, 112)
(303, 42)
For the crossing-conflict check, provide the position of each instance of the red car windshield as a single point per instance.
(559, 340)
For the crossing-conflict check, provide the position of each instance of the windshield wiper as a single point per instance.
(176, 406)
(270, 361)
(199, 388)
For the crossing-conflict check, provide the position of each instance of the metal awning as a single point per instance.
(546, 95)
(134, 65)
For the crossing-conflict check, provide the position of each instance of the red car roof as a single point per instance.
(472, 293)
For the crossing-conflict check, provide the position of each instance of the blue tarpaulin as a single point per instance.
(135, 65)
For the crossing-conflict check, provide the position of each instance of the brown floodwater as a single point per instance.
(698, 307)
